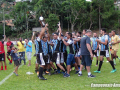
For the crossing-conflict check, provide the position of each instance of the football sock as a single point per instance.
(100, 64)
(112, 64)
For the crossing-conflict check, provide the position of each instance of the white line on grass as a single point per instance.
(1, 82)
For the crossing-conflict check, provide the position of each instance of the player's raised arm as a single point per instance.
(33, 37)
(43, 31)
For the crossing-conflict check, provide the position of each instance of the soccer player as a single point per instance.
(70, 57)
(15, 59)
(86, 53)
(42, 56)
(95, 46)
(115, 46)
(21, 50)
(28, 46)
(56, 51)
(2, 54)
(9, 43)
(104, 51)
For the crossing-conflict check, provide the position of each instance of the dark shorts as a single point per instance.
(94, 53)
(2, 57)
(65, 56)
(104, 53)
(16, 62)
(70, 59)
(43, 59)
(9, 53)
(86, 60)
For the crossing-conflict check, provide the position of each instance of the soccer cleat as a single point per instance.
(76, 72)
(15, 74)
(79, 74)
(58, 71)
(66, 75)
(114, 70)
(91, 76)
(97, 71)
(46, 72)
(42, 78)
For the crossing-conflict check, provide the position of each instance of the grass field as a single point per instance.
(58, 82)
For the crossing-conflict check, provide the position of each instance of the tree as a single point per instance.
(52, 22)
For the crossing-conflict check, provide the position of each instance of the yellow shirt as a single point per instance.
(20, 46)
(114, 40)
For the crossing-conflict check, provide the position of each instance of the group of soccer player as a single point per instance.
(63, 52)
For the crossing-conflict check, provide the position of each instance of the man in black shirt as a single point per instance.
(86, 52)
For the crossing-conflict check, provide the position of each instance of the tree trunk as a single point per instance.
(99, 21)
(72, 27)
(68, 25)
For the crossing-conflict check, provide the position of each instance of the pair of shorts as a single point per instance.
(70, 59)
(16, 62)
(62, 57)
(9, 53)
(104, 53)
(58, 57)
(95, 53)
(29, 55)
(2, 57)
(78, 53)
(112, 51)
(43, 59)
(86, 60)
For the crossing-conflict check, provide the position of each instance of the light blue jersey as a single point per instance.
(94, 43)
(104, 47)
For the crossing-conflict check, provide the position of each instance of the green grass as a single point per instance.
(58, 82)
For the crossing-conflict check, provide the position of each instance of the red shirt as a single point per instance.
(2, 47)
(8, 46)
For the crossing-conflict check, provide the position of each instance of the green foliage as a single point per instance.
(78, 14)
(7, 31)
(52, 21)
(25, 35)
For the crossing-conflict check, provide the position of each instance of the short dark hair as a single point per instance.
(103, 29)
(85, 30)
(56, 33)
(11, 46)
(70, 34)
(79, 33)
(37, 34)
(114, 31)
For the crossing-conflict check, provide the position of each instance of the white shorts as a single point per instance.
(78, 53)
(62, 57)
(29, 55)
(58, 58)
